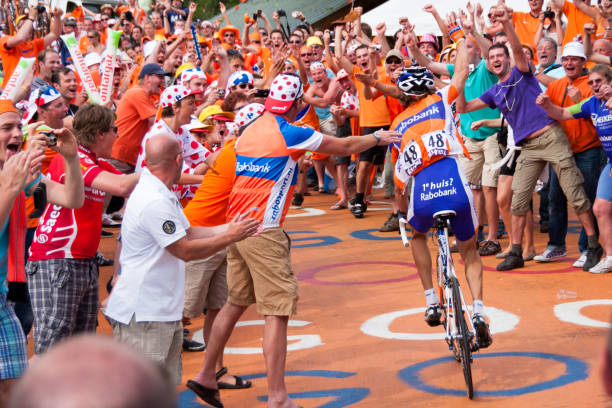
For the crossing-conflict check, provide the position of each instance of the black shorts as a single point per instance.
(509, 171)
(344, 130)
(375, 155)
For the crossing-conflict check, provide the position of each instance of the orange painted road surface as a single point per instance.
(359, 339)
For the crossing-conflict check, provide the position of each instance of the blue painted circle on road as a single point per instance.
(575, 370)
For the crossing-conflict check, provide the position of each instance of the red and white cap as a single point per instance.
(173, 94)
(248, 114)
(342, 74)
(316, 65)
(189, 74)
(285, 89)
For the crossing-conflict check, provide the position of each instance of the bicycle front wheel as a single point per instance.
(462, 342)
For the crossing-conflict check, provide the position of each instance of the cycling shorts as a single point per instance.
(442, 186)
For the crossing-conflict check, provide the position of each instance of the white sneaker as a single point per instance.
(580, 261)
(604, 266)
(550, 255)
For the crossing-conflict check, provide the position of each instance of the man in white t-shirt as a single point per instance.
(146, 304)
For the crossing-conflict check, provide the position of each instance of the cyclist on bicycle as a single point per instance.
(429, 156)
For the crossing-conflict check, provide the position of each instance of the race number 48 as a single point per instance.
(435, 143)
(410, 159)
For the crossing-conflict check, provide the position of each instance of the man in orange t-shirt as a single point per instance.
(23, 44)
(206, 279)
(588, 153)
(576, 19)
(373, 116)
(135, 115)
(526, 24)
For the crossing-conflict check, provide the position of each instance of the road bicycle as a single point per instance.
(459, 336)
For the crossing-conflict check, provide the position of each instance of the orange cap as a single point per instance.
(7, 106)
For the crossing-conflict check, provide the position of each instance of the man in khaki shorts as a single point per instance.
(259, 269)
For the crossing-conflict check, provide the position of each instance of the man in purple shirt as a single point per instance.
(541, 138)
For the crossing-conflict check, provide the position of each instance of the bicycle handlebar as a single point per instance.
(402, 227)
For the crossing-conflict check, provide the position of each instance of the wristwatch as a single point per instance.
(377, 137)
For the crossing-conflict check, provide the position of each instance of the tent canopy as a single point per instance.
(390, 12)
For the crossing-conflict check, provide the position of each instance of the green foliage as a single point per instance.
(210, 8)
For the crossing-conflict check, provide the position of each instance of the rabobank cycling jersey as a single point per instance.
(429, 133)
(266, 168)
(602, 119)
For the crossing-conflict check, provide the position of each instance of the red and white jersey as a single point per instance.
(349, 101)
(72, 233)
(193, 154)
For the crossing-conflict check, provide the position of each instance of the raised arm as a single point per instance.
(25, 32)
(224, 13)
(192, 9)
(381, 29)
(56, 27)
(585, 8)
(429, 8)
(70, 194)
(342, 60)
(503, 14)
(589, 29)
(411, 41)
(266, 22)
(554, 111)
(469, 29)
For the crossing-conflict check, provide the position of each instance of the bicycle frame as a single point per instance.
(446, 271)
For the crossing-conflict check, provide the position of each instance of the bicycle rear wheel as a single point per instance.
(462, 343)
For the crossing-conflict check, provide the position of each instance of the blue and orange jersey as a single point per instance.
(266, 168)
(307, 118)
(429, 133)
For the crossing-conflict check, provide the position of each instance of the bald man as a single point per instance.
(95, 372)
(603, 47)
(146, 304)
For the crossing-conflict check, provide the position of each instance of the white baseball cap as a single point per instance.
(573, 49)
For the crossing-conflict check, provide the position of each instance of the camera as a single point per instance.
(281, 13)
(377, 47)
(52, 138)
(221, 93)
(549, 14)
(262, 93)
(40, 8)
(40, 200)
(255, 16)
(129, 16)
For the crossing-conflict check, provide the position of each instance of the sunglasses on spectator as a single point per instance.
(393, 61)
(229, 35)
(244, 86)
(295, 42)
(306, 55)
(315, 46)
(91, 36)
(595, 82)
